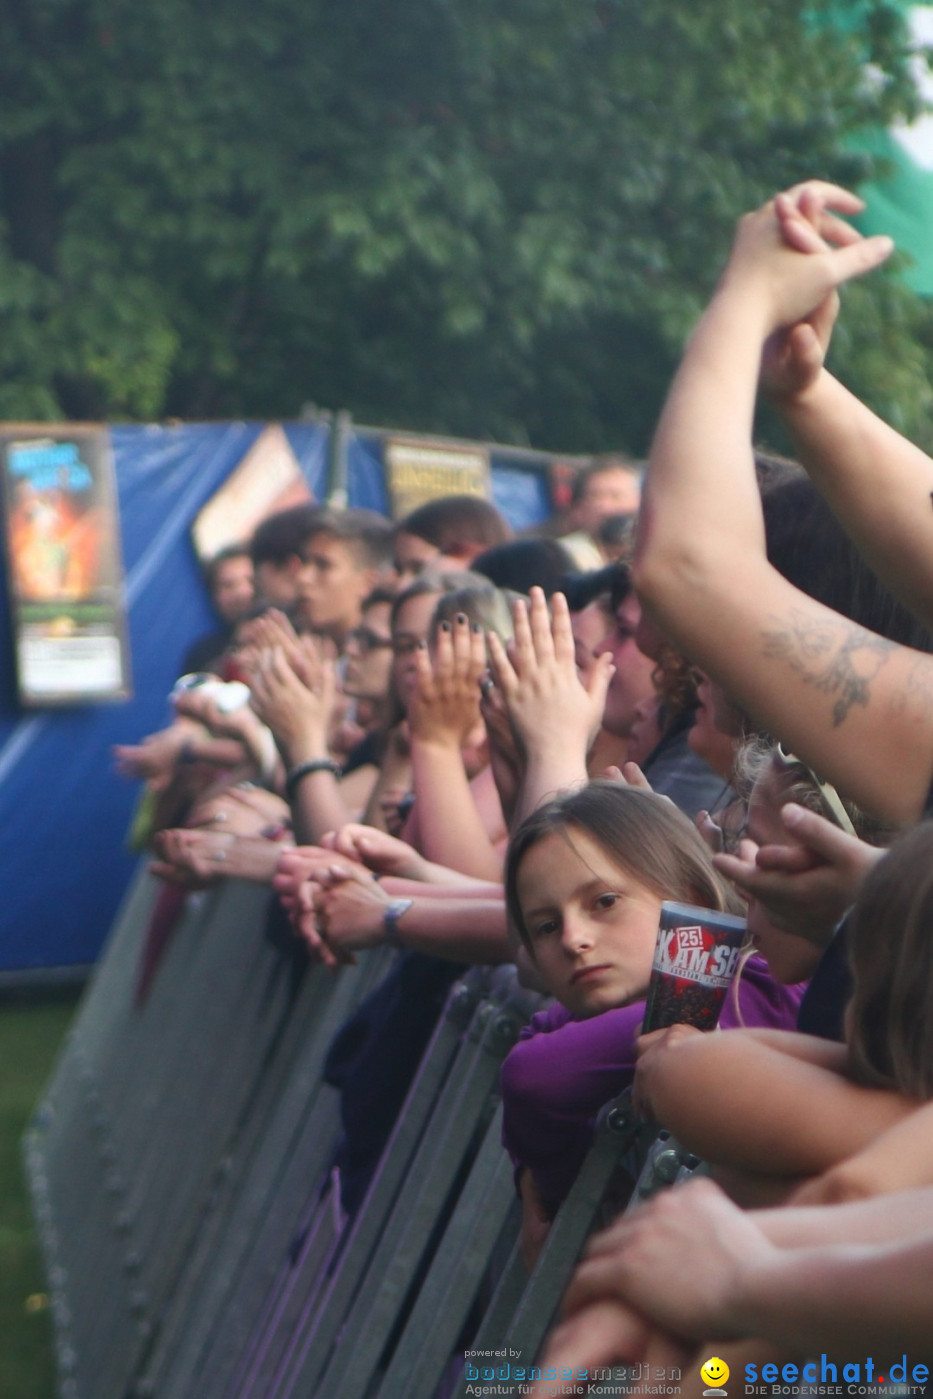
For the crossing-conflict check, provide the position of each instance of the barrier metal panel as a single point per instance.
(287, 1168)
(351, 1363)
(305, 1289)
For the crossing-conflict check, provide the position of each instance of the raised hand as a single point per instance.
(549, 704)
(297, 714)
(792, 359)
(554, 711)
(808, 223)
(443, 707)
(789, 263)
(629, 775)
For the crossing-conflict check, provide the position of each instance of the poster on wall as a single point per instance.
(418, 471)
(268, 479)
(64, 566)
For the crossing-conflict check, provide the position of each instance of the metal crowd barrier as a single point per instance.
(312, 1296)
(180, 1170)
(340, 1351)
(264, 1206)
(154, 1111)
(523, 1308)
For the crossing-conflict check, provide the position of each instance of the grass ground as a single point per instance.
(30, 1035)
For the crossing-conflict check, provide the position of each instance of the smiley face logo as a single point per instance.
(714, 1372)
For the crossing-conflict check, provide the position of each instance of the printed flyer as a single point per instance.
(64, 566)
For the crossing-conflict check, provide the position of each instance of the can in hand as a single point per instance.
(694, 962)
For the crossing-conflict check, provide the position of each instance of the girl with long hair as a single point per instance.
(586, 875)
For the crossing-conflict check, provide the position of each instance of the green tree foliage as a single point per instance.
(447, 214)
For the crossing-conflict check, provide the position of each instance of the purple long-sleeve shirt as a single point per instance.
(562, 1071)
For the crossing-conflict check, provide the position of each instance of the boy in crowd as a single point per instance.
(277, 548)
(343, 558)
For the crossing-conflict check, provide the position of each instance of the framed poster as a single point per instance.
(64, 566)
(417, 471)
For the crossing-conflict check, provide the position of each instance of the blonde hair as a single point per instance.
(757, 759)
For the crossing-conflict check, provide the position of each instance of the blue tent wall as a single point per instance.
(63, 811)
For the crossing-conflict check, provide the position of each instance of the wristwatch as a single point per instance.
(393, 913)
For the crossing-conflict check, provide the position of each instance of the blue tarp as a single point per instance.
(64, 814)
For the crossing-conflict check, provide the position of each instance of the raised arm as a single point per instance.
(554, 713)
(443, 711)
(298, 713)
(856, 707)
(877, 483)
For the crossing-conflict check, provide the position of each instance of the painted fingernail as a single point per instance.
(461, 618)
(477, 627)
(445, 626)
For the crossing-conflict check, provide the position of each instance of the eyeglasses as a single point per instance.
(830, 800)
(365, 640)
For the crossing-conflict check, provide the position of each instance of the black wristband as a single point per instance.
(303, 770)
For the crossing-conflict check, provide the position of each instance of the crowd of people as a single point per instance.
(479, 749)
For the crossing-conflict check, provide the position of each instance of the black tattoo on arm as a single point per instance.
(839, 658)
